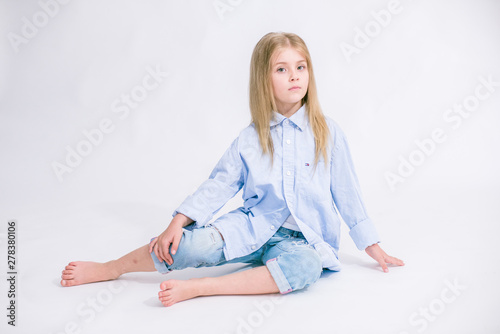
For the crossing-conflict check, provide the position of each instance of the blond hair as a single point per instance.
(262, 102)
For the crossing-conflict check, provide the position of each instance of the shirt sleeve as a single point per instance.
(223, 184)
(347, 195)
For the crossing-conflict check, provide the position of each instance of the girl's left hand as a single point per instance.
(382, 258)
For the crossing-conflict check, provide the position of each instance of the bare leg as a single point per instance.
(249, 282)
(80, 272)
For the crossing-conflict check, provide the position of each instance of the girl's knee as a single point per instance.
(198, 248)
(308, 266)
(296, 270)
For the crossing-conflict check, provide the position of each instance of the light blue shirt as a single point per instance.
(313, 198)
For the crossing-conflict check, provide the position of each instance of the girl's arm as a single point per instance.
(347, 196)
(224, 182)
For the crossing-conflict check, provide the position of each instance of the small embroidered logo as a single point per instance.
(307, 164)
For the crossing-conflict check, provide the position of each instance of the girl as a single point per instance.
(294, 165)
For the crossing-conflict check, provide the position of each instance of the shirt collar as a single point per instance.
(299, 118)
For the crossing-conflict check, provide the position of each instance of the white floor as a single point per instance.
(449, 284)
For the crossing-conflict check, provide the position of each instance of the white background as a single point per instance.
(63, 79)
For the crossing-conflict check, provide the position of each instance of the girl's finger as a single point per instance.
(175, 244)
(152, 244)
(394, 260)
(383, 265)
(161, 251)
(156, 248)
(168, 257)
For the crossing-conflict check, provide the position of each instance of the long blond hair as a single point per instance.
(262, 102)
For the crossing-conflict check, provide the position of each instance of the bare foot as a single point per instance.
(174, 291)
(80, 272)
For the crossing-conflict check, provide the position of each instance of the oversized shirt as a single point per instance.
(314, 198)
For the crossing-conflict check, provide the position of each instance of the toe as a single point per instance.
(71, 282)
(166, 285)
(165, 296)
(67, 274)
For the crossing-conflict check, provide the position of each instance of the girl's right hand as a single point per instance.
(170, 237)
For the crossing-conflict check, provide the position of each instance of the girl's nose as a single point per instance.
(294, 76)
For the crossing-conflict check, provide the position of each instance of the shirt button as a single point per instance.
(272, 227)
(286, 121)
(253, 247)
(288, 173)
(288, 141)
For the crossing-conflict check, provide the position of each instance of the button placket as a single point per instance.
(288, 162)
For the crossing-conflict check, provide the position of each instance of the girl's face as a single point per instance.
(290, 79)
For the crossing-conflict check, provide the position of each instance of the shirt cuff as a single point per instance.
(364, 234)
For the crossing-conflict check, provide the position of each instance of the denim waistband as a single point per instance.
(292, 233)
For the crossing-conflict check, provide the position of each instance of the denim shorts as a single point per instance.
(292, 262)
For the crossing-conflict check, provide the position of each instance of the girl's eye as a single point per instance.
(301, 67)
(281, 69)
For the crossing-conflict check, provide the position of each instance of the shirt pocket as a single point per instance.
(314, 180)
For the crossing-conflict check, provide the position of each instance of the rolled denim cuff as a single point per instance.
(161, 267)
(278, 276)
